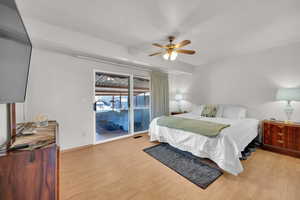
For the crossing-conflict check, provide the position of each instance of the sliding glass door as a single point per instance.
(111, 106)
(141, 103)
(114, 95)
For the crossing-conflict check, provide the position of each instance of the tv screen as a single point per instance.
(15, 52)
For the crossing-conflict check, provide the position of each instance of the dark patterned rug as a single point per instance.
(185, 164)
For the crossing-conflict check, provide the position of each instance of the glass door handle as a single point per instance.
(95, 106)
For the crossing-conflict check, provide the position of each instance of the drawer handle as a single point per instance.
(279, 126)
(280, 141)
(281, 134)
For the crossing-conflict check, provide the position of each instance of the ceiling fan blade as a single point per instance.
(159, 45)
(185, 51)
(154, 54)
(183, 43)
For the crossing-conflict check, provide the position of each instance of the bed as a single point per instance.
(224, 149)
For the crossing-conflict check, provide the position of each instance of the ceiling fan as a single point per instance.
(170, 51)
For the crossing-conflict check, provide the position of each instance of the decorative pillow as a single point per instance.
(234, 112)
(197, 109)
(209, 110)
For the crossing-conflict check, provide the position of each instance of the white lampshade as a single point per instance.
(288, 94)
(173, 55)
(178, 97)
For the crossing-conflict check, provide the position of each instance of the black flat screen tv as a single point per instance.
(15, 53)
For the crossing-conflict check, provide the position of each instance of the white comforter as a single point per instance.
(225, 149)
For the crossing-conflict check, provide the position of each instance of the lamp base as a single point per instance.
(179, 107)
(288, 111)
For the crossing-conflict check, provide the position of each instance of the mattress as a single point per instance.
(224, 149)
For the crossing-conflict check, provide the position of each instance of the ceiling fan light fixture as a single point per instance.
(170, 56)
(166, 56)
(171, 50)
(173, 55)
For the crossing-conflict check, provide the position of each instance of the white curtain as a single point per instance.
(159, 94)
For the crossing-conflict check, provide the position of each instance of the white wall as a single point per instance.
(250, 80)
(3, 124)
(183, 84)
(61, 87)
(20, 115)
(193, 87)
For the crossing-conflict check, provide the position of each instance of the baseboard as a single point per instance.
(76, 148)
(108, 141)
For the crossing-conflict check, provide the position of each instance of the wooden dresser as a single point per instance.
(31, 173)
(281, 137)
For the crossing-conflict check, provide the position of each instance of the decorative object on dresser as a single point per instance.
(281, 137)
(178, 113)
(288, 94)
(41, 120)
(30, 168)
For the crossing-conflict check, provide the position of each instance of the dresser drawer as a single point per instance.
(275, 135)
(293, 138)
(278, 136)
(267, 139)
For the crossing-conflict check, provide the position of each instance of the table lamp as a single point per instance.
(288, 94)
(178, 98)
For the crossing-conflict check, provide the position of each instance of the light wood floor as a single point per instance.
(120, 170)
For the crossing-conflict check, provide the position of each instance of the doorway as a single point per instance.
(122, 105)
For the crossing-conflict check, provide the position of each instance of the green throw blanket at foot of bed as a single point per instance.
(201, 127)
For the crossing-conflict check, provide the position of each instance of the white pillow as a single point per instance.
(220, 111)
(197, 109)
(234, 112)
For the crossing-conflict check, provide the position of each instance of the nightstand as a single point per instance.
(177, 113)
(281, 137)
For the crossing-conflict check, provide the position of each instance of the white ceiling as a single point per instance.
(217, 28)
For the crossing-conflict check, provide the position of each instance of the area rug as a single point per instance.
(185, 164)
